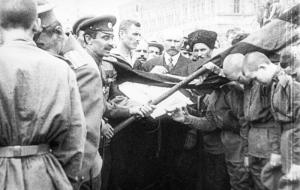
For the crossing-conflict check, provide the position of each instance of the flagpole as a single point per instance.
(162, 97)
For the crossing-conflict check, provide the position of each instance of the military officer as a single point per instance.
(53, 39)
(98, 36)
(79, 33)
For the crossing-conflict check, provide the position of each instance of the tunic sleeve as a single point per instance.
(296, 107)
(70, 149)
(200, 123)
(114, 111)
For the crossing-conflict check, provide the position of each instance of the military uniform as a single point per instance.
(261, 132)
(228, 114)
(285, 108)
(90, 88)
(124, 161)
(43, 128)
(224, 117)
(285, 101)
(90, 85)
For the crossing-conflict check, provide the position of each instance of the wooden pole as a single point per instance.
(162, 97)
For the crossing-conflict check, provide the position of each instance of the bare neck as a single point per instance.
(124, 50)
(16, 34)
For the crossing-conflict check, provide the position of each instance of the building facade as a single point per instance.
(184, 16)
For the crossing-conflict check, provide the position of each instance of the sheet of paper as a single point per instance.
(144, 93)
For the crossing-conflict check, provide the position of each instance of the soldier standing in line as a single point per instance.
(43, 128)
(285, 104)
(53, 39)
(259, 136)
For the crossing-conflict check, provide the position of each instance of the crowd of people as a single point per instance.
(60, 104)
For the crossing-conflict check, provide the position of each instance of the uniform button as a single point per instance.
(76, 178)
(82, 178)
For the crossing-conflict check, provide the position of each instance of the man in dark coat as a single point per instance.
(179, 157)
(171, 62)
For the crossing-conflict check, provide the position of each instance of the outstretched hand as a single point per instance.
(177, 114)
(213, 68)
(142, 111)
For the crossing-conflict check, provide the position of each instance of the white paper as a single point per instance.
(143, 94)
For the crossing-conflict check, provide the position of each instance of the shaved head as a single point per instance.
(253, 60)
(232, 68)
(258, 67)
(233, 64)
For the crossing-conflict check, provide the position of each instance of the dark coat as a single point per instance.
(180, 69)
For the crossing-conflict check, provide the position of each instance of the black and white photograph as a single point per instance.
(149, 94)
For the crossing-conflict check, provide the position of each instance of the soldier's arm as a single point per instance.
(200, 123)
(70, 151)
(294, 134)
(231, 108)
(113, 111)
(296, 105)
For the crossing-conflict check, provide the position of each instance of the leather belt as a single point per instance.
(23, 151)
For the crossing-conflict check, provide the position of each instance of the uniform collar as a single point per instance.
(96, 58)
(27, 41)
(281, 78)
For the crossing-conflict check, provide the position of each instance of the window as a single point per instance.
(236, 6)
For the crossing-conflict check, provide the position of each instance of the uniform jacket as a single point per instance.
(180, 69)
(225, 112)
(285, 104)
(114, 100)
(90, 88)
(40, 104)
(261, 132)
